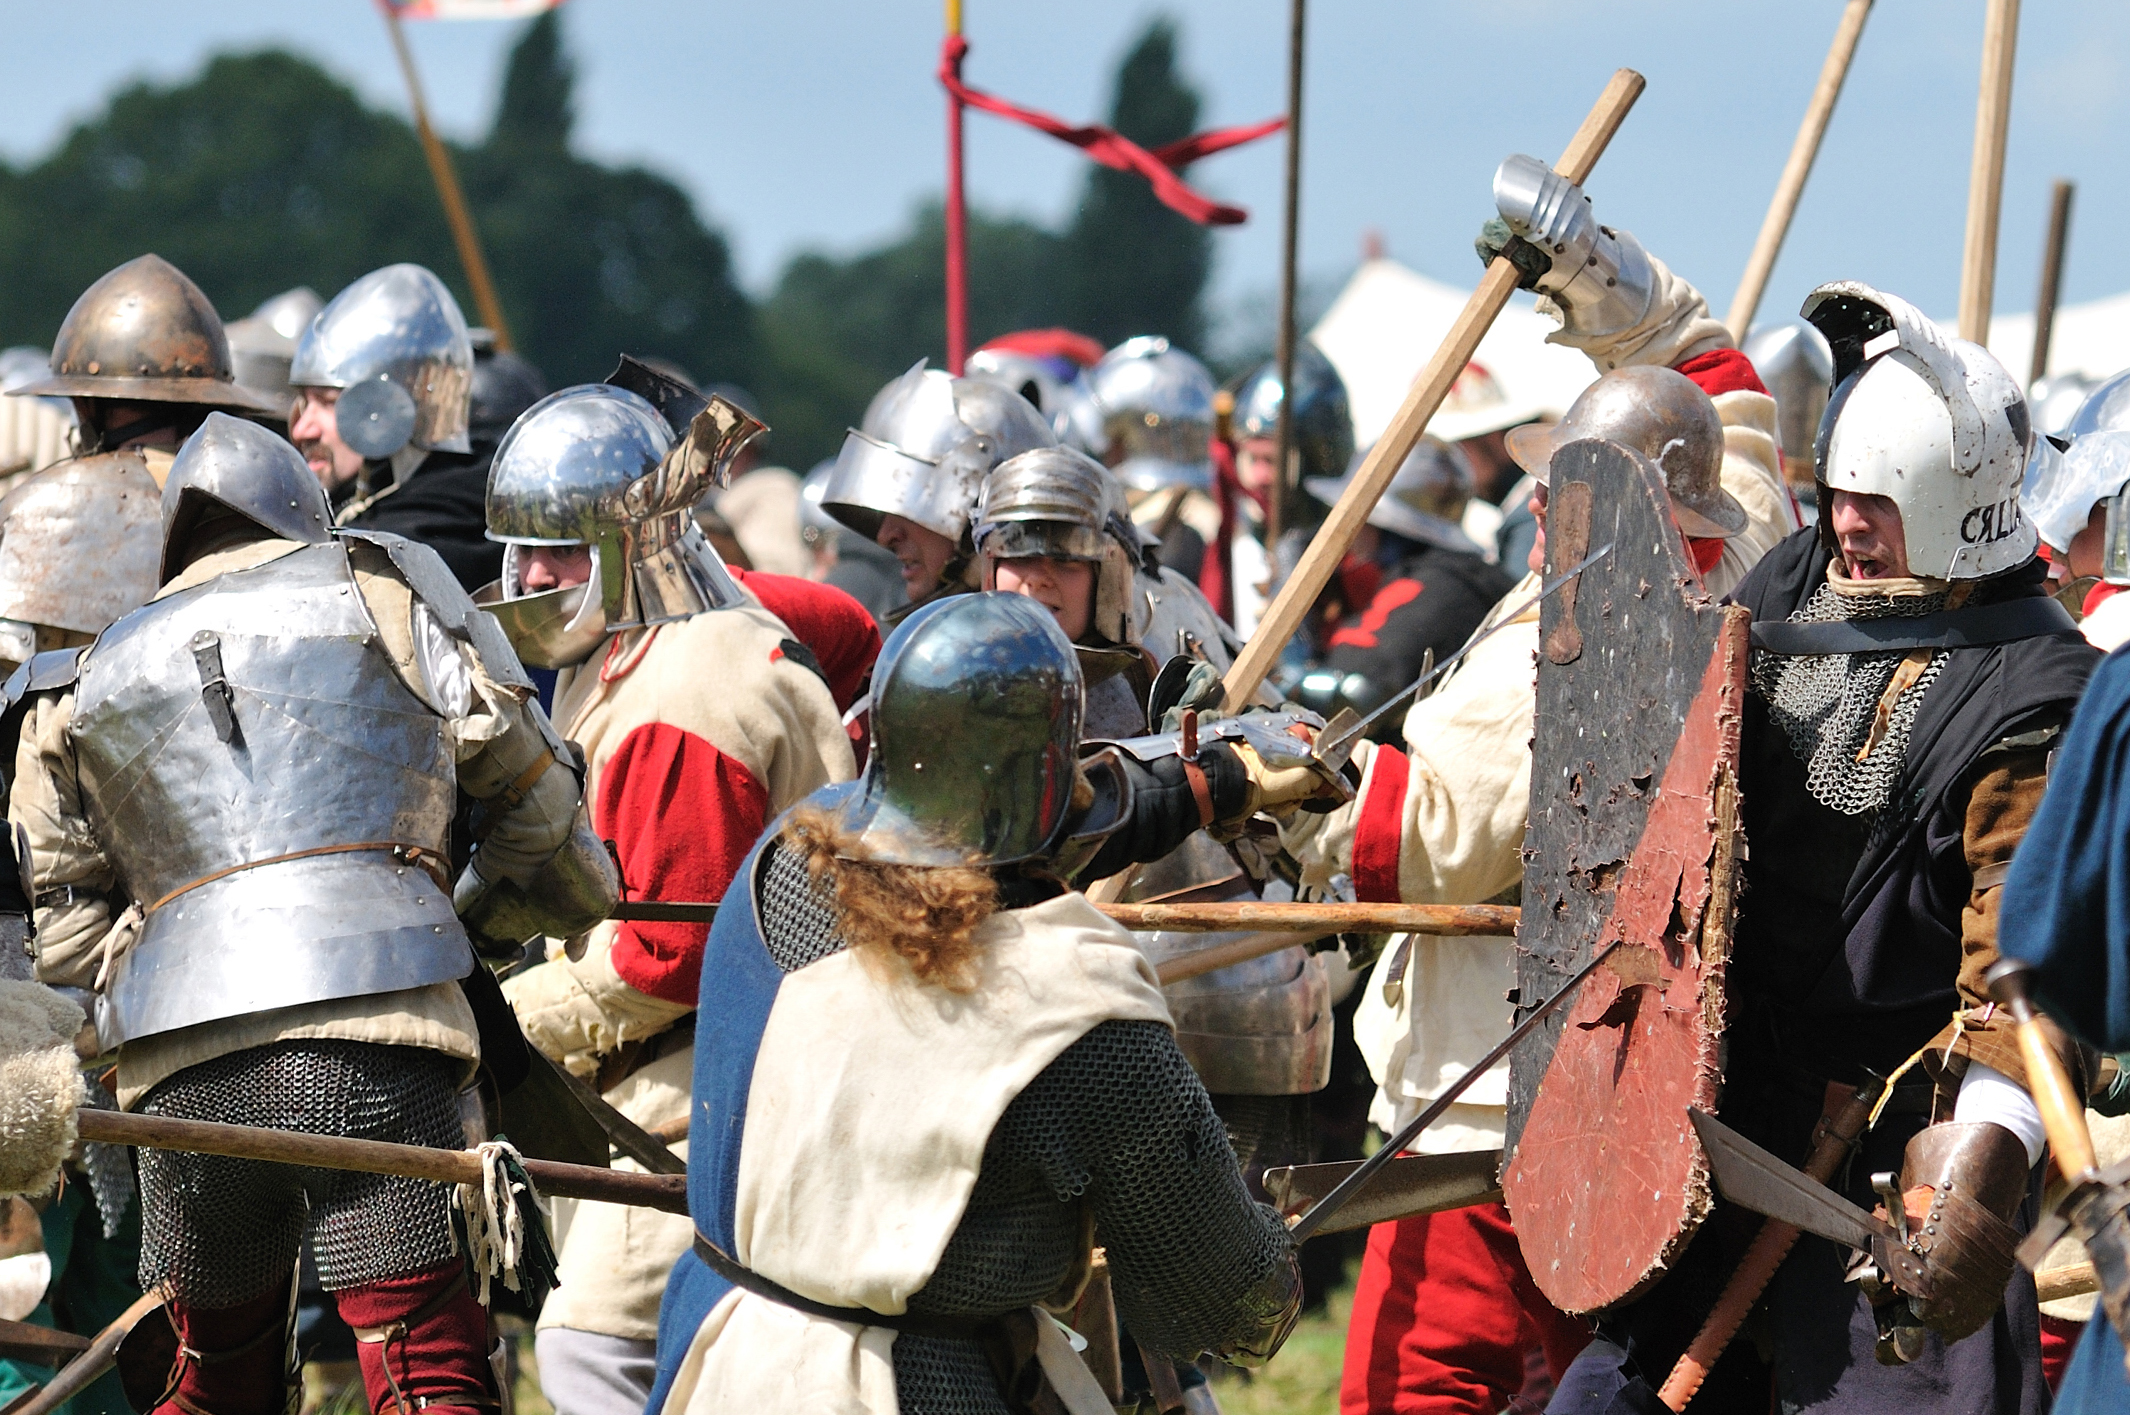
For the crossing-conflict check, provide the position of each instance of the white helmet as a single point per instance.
(1934, 423)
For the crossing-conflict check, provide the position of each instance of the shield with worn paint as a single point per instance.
(1633, 838)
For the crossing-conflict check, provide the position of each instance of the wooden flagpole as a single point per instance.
(957, 225)
(447, 188)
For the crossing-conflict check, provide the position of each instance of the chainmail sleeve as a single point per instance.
(1121, 1120)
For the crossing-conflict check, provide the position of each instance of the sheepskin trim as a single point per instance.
(40, 1085)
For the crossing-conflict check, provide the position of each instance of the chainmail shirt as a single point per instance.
(1826, 703)
(1119, 1123)
(223, 1231)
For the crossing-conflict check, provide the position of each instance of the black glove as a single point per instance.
(1496, 239)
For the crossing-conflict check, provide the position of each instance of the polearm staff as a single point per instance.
(1985, 178)
(1284, 617)
(2051, 279)
(456, 214)
(957, 224)
(1791, 185)
(1283, 486)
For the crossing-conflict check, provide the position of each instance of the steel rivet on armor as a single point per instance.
(436, 928)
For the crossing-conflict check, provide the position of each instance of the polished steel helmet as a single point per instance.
(395, 345)
(2055, 400)
(1032, 377)
(145, 334)
(2089, 463)
(1664, 416)
(1064, 505)
(599, 466)
(234, 465)
(976, 728)
(1156, 408)
(927, 441)
(263, 342)
(80, 543)
(1323, 423)
(1424, 500)
(504, 386)
(1793, 360)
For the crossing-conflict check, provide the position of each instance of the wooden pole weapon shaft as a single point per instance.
(1985, 178)
(447, 190)
(2051, 279)
(1284, 617)
(957, 226)
(668, 1193)
(1283, 488)
(1776, 225)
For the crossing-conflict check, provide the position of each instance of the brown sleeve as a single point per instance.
(2006, 792)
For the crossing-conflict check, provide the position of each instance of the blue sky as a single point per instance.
(816, 123)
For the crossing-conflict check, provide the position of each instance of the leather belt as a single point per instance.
(431, 863)
(1975, 627)
(953, 1328)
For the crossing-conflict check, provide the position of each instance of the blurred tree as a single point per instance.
(1132, 265)
(265, 172)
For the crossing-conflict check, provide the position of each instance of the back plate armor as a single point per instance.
(249, 760)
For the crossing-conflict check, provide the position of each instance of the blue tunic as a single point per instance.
(2066, 910)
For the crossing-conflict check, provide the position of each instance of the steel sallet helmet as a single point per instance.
(80, 543)
(395, 345)
(977, 702)
(1797, 367)
(234, 465)
(1323, 422)
(145, 334)
(1031, 377)
(1425, 497)
(1934, 423)
(1065, 505)
(600, 466)
(1664, 416)
(927, 442)
(1155, 405)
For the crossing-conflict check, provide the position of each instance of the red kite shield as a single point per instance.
(1634, 836)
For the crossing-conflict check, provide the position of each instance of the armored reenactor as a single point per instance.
(1793, 360)
(701, 717)
(1444, 1311)
(908, 476)
(2074, 495)
(1146, 413)
(1887, 779)
(1323, 448)
(144, 359)
(1419, 585)
(248, 877)
(907, 987)
(383, 379)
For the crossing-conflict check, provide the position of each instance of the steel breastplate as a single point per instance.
(249, 758)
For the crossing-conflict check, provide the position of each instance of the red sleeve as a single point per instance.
(1723, 371)
(682, 816)
(843, 637)
(1380, 830)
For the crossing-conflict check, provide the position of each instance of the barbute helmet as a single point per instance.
(1931, 422)
(395, 344)
(232, 465)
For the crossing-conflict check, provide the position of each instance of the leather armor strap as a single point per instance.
(731, 1270)
(431, 862)
(1974, 627)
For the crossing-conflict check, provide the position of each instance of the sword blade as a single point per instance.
(1752, 1178)
(1409, 1185)
(1338, 744)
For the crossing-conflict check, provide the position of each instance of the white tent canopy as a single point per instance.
(1389, 320)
